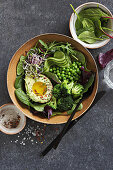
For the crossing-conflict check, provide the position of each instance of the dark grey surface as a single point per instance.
(89, 145)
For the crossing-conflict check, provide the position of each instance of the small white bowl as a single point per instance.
(73, 19)
(4, 110)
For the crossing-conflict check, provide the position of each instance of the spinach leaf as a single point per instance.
(38, 106)
(93, 14)
(88, 24)
(78, 25)
(88, 37)
(74, 106)
(89, 83)
(80, 56)
(20, 69)
(20, 94)
(52, 76)
(19, 82)
(99, 33)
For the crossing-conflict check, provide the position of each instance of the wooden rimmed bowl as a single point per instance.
(11, 76)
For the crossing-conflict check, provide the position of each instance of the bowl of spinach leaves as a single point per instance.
(91, 25)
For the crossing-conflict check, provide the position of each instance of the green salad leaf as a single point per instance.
(38, 106)
(43, 44)
(52, 76)
(74, 106)
(20, 69)
(87, 25)
(89, 83)
(88, 37)
(19, 82)
(93, 14)
(20, 94)
(79, 56)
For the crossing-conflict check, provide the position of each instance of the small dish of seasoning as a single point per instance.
(12, 120)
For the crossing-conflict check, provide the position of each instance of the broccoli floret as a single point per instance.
(77, 90)
(57, 91)
(52, 103)
(65, 103)
(66, 88)
(62, 90)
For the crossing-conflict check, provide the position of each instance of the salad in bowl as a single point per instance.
(49, 76)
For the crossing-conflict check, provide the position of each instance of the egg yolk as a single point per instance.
(39, 88)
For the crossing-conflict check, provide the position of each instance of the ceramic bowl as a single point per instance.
(4, 110)
(11, 76)
(73, 19)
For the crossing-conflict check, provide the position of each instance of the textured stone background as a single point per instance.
(89, 145)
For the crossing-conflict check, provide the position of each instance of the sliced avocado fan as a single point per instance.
(58, 59)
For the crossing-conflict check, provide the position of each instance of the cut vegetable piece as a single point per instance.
(59, 54)
(58, 59)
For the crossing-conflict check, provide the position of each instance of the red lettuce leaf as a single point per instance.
(105, 58)
(85, 75)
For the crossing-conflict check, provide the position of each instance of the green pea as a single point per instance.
(75, 78)
(63, 68)
(71, 78)
(75, 74)
(75, 66)
(64, 78)
(58, 74)
(58, 71)
(71, 69)
(67, 69)
(51, 70)
(79, 64)
(69, 73)
(62, 75)
(77, 70)
(63, 72)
